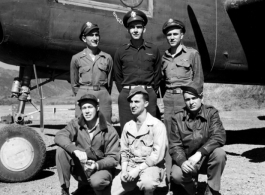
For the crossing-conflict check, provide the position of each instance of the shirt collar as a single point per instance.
(144, 45)
(168, 54)
(132, 126)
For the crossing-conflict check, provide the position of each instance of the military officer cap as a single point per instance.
(87, 28)
(88, 97)
(134, 15)
(173, 22)
(193, 88)
(136, 90)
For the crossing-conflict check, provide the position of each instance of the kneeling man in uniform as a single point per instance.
(143, 147)
(195, 142)
(88, 150)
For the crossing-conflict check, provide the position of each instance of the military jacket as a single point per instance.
(103, 147)
(85, 71)
(147, 145)
(204, 133)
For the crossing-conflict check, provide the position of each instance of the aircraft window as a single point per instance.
(112, 5)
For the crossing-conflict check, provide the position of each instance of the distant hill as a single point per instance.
(55, 92)
(222, 96)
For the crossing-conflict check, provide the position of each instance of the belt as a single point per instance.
(175, 91)
(133, 86)
(92, 87)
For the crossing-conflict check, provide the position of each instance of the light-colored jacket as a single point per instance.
(148, 145)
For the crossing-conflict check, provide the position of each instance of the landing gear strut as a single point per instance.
(22, 150)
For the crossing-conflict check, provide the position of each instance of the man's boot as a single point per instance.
(210, 191)
(65, 191)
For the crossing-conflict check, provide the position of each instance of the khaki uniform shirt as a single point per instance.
(85, 71)
(183, 68)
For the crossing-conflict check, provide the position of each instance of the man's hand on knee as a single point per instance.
(133, 173)
(187, 167)
(82, 156)
(124, 176)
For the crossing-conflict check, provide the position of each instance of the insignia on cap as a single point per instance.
(133, 14)
(89, 24)
(170, 20)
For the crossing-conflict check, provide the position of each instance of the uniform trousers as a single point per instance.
(69, 165)
(148, 180)
(213, 165)
(172, 102)
(125, 113)
(104, 100)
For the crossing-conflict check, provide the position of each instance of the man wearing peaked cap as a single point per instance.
(91, 70)
(136, 63)
(143, 146)
(134, 15)
(181, 65)
(88, 150)
(201, 153)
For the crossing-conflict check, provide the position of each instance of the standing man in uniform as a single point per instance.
(195, 141)
(136, 63)
(181, 65)
(91, 71)
(90, 143)
(143, 147)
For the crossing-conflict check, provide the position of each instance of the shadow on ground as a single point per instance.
(262, 118)
(254, 136)
(57, 126)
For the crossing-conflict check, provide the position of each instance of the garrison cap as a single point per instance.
(86, 28)
(134, 15)
(88, 97)
(136, 90)
(193, 88)
(173, 22)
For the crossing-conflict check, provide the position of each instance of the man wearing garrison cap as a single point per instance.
(136, 63)
(143, 146)
(195, 142)
(91, 70)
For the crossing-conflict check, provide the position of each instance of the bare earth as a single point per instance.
(244, 173)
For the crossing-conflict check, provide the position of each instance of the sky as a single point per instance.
(7, 66)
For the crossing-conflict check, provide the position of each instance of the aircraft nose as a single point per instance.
(1, 33)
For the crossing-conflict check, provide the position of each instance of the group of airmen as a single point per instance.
(149, 153)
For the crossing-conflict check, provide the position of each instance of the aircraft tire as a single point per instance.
(22, 153)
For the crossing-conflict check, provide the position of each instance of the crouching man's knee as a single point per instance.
(100, 180)
(218, 155)
(176, 174)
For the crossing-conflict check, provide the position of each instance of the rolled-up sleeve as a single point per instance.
(160, 145)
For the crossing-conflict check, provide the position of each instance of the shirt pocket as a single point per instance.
(85, 74)
(147, 145)
(148, 62)
(184, 70)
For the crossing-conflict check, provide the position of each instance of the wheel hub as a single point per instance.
(17, 154)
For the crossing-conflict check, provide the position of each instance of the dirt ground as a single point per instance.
(244, 173)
